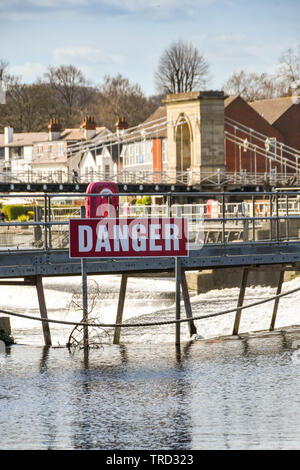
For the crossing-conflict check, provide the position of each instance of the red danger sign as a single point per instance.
(121, 238)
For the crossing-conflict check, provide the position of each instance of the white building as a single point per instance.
(54, 154)
(16, 149)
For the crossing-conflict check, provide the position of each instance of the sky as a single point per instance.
(103, 37)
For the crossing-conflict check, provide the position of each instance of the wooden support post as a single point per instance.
(43, 310)
(187, 303)
(84, 303)
(177, 299)
(120, 310)
(240, 301)
(276, 303)
(5, 325)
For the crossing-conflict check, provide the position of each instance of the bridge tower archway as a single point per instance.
(183, 137)
(196, 121)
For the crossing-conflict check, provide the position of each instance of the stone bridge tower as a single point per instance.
(196, 133)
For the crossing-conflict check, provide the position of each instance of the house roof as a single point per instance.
(272, 109)
(29, 138)
(72, 135)
(25, 138)
(78, 133)
(230, 100)
(159, 113)
(48, 160)
(154, 125)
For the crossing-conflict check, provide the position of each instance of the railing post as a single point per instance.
(277, 220)
(271, 215)
(84, 302)
(37, 228)
(45, 221)
(287, 234)
(177, 299)
(253, 215)
(49, 225)
(223, 218)
(169, 202)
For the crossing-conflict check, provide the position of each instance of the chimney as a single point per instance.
(54, 129)
(121, 124)
(8, 135)
(89, 127)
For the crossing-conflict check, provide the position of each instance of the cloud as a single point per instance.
(28, 72)
(135, 5)
(84, 55)
(15, 10)
(131, 5)
(20, 10)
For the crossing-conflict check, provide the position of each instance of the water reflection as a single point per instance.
(123, 405)
(234, 393)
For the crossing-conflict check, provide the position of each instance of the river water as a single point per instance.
(145, 394)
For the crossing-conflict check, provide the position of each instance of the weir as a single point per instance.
(270, 240)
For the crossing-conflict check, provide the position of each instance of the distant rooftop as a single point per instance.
(272, 109)
(21, 139)
(25, 138)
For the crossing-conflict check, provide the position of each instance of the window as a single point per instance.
(273, 143)
(16, 152)
(164, 150)
(137, 153)
(131, 154)
(148, 151)
(60, 149)
(40, 150)
(49, 150)
(106, 171)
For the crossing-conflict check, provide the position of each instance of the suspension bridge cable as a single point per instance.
(166, 322)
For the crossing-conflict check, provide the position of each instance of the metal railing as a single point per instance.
(262, 138)
(213, 218)
(215, 179)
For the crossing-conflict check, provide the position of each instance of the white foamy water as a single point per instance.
(147, 299)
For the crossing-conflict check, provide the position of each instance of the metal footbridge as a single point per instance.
(237, 229)
(251, 231)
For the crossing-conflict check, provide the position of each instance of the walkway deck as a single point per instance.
(57, 262)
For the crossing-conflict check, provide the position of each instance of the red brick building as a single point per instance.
(278, 120)
(238, 154)
(282, 114)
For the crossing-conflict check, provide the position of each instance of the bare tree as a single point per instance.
(181, 68)
(96, 334)
(28, 106)
(119, 97)
(289, 70)
(253, 86)
(72, 91)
